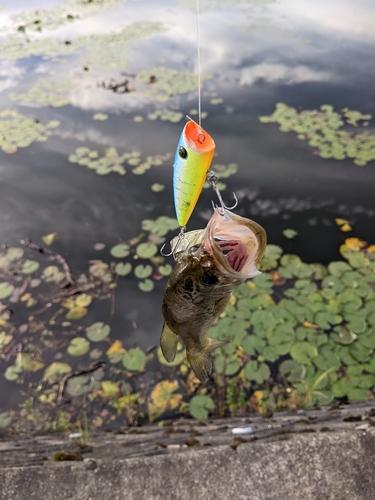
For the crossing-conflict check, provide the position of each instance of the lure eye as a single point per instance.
(182, 153)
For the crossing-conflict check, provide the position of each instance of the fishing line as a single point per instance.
(199, 68)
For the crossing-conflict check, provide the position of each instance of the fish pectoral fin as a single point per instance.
(214, 344)
(168, 343)
(201, 362)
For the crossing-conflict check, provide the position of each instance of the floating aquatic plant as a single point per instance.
(46, 92)
(299, 334)
(104, 51)
(112, 161)
(166, 115)
(168, 82)
(327, 131)
(19, 131)
(37, 20)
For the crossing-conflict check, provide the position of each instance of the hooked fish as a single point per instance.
(210, 264)
(192, 161)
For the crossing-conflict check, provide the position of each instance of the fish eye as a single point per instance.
(209, 279)
(182, 153)
(193, 250)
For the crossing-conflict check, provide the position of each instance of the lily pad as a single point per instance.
(292, 370)
(165, 270)
(123, 269)
(303, 352)
(12, 372)
(5, 419)
(121, 250)
(134, 360)
(110, 388)
(80, 385)
(142, 271)
(98, 331)
(146, 250)
(146, 285)
(6, 290)
(290, 234)
(200, 405)
(29, 267)
(257, 372)
(78, 346)
(55, 369)
(342, 335)
(163, 395)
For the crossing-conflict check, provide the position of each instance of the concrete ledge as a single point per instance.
(286, 464)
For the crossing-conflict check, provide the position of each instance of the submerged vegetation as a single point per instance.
(327, 131)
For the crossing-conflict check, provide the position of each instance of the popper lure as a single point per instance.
(192, 162)
(194, 153)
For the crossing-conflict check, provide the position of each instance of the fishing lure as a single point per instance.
(192, 162)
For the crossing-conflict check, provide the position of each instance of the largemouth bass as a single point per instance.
(210, 264)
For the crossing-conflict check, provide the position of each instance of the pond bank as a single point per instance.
(313, 454)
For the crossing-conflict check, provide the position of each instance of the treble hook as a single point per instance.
(181, 234)
(212, 180)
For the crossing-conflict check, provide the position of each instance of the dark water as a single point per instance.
(258, 53)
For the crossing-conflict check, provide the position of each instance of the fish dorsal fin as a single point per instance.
(168, 343)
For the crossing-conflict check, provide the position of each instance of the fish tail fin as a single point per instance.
(201, 362)
(168, 343)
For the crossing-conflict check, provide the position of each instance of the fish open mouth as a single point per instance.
(234, 252)
(237, 243)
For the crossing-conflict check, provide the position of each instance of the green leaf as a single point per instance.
(29, 267)
(78, 346)
(290, 233)
(291, 370)
(252, 344)
(142, 271)
(199, 406)
(14, 253)
(146, 250)
(121, 250)
(6, 290)
(325, 319)
(333, 283)
(12, 372)
(338, 268)
(56, 368)
(98, 331)
(123, 269)
(134, 360)
(80, 385)
(5, 419)
(165, 270)
(303, 352)
(27, 363)
(48, 239)
(146, 285)
(110, 388)
(257, 372)
(342, 335)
